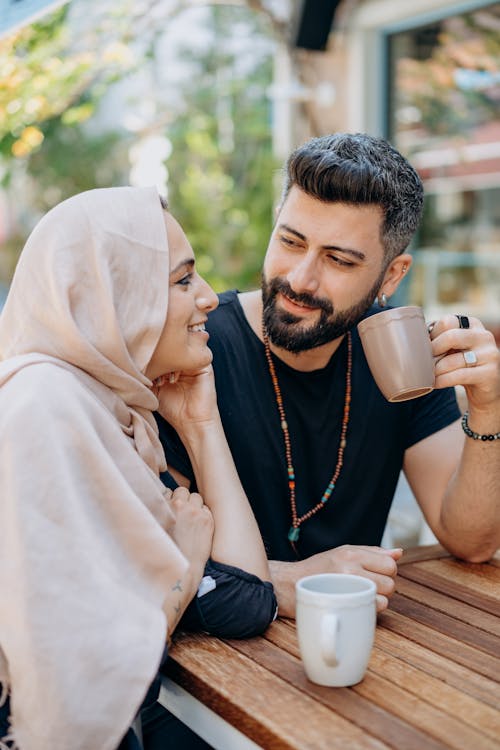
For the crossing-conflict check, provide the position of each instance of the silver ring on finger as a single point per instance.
(463, 321)
(470, 358)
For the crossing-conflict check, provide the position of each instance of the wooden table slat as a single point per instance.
(470, 657)
(448, 729)
(445, 585)
(447, 625)
(443, 668)
(423, 552)
(483, 579)
(426, 688)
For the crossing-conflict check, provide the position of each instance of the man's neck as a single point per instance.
(312, 359)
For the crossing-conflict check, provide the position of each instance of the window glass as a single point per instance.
(444, 115)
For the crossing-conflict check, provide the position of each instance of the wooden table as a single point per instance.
(432, 681)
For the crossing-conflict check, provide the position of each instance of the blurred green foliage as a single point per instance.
(46, 75)
(221, 169)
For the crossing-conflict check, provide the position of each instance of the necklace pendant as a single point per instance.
(293, 534)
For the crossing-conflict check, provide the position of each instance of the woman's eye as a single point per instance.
(186, 280)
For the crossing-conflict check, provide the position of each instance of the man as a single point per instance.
(318, 448)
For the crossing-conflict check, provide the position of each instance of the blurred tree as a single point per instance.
(56, 71)
(48, 72)
(221, 170)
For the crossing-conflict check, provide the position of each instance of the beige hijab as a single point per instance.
(85, 562)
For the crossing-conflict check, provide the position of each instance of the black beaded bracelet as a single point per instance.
(475, 435)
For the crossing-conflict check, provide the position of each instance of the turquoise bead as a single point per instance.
(293, 534)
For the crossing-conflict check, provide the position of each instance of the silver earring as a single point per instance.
(383, 300)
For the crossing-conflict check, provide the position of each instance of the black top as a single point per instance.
(377, 436)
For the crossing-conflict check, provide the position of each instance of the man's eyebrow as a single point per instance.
(188, 264)
(348, 250)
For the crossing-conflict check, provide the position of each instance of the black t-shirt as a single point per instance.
(377, 436)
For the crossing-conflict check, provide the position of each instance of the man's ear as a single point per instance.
(396, 270)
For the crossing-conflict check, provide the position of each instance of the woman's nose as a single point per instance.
(206, 299)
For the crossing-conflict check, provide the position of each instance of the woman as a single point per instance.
(98, 560)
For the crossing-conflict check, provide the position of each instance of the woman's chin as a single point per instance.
(202, 360)
(208, 357)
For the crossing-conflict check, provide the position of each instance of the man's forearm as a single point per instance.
(470, 514)
(464, 513)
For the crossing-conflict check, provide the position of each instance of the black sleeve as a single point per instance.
(431, 413)
(175, 453)
(237, 604)
(4, 715)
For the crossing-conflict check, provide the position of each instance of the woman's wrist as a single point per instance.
(197, 431)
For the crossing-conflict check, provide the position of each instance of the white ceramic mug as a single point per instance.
(336, 618)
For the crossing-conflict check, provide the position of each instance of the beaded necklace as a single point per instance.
(294, 531)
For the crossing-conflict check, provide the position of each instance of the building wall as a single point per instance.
(457, 251)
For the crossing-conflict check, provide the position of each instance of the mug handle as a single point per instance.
(328, 636)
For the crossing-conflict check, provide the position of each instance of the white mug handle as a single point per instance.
(329, 628)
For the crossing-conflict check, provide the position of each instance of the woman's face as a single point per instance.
(182, 345)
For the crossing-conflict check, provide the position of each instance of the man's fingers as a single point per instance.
(394, 552)
(382, 602)
(386, 585)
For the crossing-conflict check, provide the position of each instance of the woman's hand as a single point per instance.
(187, 398)
(192, 530)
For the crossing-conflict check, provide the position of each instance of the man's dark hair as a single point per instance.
(357, 168)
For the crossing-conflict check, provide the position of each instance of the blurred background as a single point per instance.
(206, 100)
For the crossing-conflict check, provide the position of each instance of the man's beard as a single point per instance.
(285, 329)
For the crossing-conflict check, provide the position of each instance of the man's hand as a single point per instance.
(451, 344)
(376, 563)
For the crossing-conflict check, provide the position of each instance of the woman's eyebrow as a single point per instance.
(188, 264)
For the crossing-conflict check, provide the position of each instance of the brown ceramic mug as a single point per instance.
(398, 351)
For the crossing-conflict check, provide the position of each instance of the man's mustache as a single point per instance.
(277, 285)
